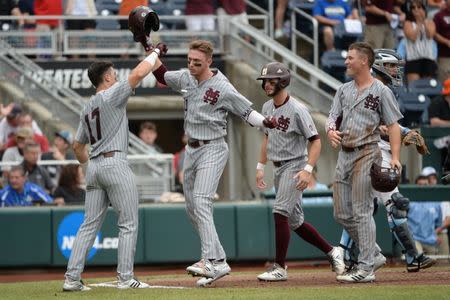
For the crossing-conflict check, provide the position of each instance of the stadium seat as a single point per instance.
(111, 5)
(343, 39)
(333, 62)
(427, 87)
(414, 108)
(107, 8)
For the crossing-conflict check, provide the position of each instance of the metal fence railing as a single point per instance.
(154, 173)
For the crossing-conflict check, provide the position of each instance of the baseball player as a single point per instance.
(208, 97)
(358, 108)
(109, 179)
(285, 145)
(387, 68)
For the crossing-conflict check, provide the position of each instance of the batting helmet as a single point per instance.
(141, 21)
(384, 179)
(388, 65)
(276, 70)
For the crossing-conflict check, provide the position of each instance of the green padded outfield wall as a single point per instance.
(24, 236)
(435, 157)
(170, 236)
(66, 222)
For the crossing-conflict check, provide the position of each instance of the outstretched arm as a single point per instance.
(147, 65)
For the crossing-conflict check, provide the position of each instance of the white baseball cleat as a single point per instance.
(356, 275)
(202, 268)
(220, 269)
(378, 261)
(336, 258)
(133, 283)
(274, 273)
(75, 286)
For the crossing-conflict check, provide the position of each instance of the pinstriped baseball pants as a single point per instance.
(353, 200)
(109, 180)
(203, 167)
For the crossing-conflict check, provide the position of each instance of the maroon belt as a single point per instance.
(350, 149)
(280, 163)
(107, 154)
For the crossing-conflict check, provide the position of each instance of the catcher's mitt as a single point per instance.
(413, 137)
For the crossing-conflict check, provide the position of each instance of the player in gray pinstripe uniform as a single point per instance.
(104, 125)
(208, 97)
(358, 108)
(286, 146)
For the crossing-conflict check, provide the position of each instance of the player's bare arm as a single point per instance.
(395, 141)
(81, 152)
(303, 177)
(334, 137)
(146, 66)
(261, 164)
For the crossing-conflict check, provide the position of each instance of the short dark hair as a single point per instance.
(18, 168)
(97, 70)
(147, 125)
(366, 50)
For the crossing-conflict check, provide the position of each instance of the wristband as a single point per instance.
(308, 168)
(152, 57)
(157, 51)
(260, 166)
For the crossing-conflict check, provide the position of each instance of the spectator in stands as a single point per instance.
(231, 10)
(439, 109)
(148, 133)
(36, 174)
(378, 32)
(9, 125)
(126, 7)
(61, 150)
(200, 15)
(15, 154)
(434, 6)
(25, 120)
(47, 8)
(280, 10)
(20, 192)
(430, 173)
(419, 32)
(423, 220)
(9, 8)
(85, 8)
(330, 13)
(442, 36)
(69, 189)
(26, 7)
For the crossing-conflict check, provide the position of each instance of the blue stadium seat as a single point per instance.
(414, 108)
(427, 87)
(107, 7)
(333, 62)
(343, 39)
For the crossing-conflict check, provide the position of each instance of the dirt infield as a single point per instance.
(244, 275)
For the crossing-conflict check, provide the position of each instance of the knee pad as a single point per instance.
(400, 207)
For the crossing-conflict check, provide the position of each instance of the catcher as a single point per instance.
(387, 68)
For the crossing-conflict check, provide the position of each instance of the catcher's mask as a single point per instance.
(141, 22)
(384, 179)
(275, 70)
(388, 64)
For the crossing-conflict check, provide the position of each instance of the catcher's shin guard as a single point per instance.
(399, 228)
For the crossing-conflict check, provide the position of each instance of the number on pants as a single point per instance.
(95, 114)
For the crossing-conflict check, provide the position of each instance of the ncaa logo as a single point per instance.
(143, 14)
(264, 71)
(67, 231)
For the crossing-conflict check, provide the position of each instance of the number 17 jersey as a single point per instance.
(104, 122)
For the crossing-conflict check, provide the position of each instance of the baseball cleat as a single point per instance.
(220, 270)
(336, 258)
(133, 283)
(378, 261)
(274, 273)
(419, 263)
(202, 268)
(75, 286)
(356, 275)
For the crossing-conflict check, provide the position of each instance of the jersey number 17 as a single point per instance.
(95, 114)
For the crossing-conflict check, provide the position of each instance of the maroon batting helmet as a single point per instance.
(141, 21)
(276, 70)
(384, 179)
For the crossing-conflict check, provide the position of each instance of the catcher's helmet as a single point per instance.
(141, 21)
(276, 70)
(393, 73)
(384, 179)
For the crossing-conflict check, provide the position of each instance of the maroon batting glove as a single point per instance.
(270, 122)
(162, 49)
